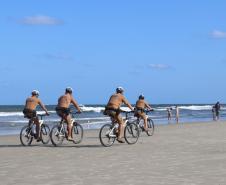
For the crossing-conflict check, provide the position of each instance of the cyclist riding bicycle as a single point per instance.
(113, 110)
(63, 109)
(30, 111)
(141, 105)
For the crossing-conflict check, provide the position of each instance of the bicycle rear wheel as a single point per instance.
(45, 134)
(77, 132)
(107, 138)
(131, 133)
(151, 127)
(26, 135)
(57, 135)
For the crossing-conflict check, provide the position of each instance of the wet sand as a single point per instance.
(184, 154)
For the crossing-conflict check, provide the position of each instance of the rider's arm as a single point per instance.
(75, 104)
(43, 107)
(127, 103)
(148, 106)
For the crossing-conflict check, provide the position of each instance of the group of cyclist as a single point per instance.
(112, 109)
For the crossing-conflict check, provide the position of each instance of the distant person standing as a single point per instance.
(214, 113)
(177, 114)
(217, 110)
(169, 113)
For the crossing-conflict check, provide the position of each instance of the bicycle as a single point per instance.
(27, 133)
(59, 133)
(150, 124)
(109, 132)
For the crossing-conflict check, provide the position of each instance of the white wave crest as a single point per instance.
(196, 107)
(4, 114)
(93, 109)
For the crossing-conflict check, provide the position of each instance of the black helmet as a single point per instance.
(119, 90)
(69, 90)
(141, 97)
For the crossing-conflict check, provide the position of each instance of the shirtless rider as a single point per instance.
(30, 110)
(63, 109)
(113, 110)
(141, 104)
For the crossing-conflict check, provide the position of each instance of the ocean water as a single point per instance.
(12, 119)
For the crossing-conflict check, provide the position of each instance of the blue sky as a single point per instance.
(171, 51)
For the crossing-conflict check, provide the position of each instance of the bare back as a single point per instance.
(32, 102)
(116, 100)
(142, 104)
(65, 101)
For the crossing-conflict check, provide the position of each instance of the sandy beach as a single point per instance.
(184, 154)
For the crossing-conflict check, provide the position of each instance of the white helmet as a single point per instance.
(35, 93)
(69, 90)
(119, 90)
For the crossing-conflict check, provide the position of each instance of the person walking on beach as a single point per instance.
(177, 114)
(217, 110)
(169, 113)
(113, 110)
(30, 111)
(141, 104)
(63, 109)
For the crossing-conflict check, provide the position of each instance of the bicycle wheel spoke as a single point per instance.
(77, 133)
(45, 134)
(26, 136)
(56, 135)
(107, 138)
(131, 133)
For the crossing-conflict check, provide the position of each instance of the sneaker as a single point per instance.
(39, 139)
(120, 140)
(70, 139)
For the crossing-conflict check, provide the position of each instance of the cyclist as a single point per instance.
(63, 109)
(113, 110)
(30, 111)
(141, 105)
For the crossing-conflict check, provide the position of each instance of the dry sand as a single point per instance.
(184, 154)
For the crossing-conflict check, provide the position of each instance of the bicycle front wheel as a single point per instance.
(45, 134)
(57, 135)
(77, 132)
(26, 135)
(131, 133)
(151, 127)
(107, 138)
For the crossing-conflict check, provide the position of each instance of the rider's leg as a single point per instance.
(69, 127)
(36, 121)
(144, 117)
(121, 127)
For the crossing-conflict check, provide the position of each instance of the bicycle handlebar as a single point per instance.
(42, 115)
(73, 113)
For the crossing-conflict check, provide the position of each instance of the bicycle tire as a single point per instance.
(131, 133)
(77, 133)
(151, 127)
(106, 139)
(44, 133)
(56, 135)
(26, 136)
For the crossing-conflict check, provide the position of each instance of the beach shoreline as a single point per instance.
(188, 153)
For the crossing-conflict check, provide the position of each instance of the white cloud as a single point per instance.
(218, 34)
(159, 66)
(40, 20)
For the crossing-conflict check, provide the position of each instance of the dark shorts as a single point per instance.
(62, 111)
(111, 112)
(28, 113)
(217, 113)
(138, 112)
